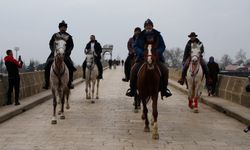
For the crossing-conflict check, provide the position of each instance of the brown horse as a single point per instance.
(148, 86)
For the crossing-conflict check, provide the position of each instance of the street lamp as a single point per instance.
(16, 49)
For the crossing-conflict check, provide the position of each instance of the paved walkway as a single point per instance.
(110, 124)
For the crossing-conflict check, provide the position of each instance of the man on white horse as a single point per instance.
(95, 47)
(149, 34)
(69, 47)
(186, 58)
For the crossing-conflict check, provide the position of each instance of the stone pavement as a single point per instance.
(110, 124)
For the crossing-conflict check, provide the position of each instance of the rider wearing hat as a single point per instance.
(148, 35)
(187, 54)
(131, 53)
(69, 46)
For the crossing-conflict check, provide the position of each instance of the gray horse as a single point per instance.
(59, 78)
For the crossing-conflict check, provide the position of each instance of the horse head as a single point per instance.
(59, 50)
(195, 53)
(90, 60)
(150, 56)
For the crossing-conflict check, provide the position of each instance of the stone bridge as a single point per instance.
(111, 124)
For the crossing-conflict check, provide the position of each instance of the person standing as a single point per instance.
(12, 66)
(95, 47)
(214, 70)
(131, 53)
(69, 47)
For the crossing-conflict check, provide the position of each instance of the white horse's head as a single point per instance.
(195, 53)
(90, 60)
(59, 47)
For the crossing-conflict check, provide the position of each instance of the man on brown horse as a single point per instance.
(131, 54)
(149, 34)
(186, 58)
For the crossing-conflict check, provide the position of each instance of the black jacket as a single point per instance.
(69, 44)
(214, 70)
(97, 47)
(187, 51)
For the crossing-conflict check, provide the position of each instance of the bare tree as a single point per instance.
(240, 57)
(174, 57)
(225, 60)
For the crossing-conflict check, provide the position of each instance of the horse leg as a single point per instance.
(190, 103)
(89, 90)
(62, 105)
(136, 104)
(155, 115)
(97, 89)
(196, 104)
(54, 120)
(145, 114)
(67, 98)
(93, 91)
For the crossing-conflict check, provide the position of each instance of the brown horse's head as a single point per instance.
(150, 56)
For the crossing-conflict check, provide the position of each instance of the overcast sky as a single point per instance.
(222, 25)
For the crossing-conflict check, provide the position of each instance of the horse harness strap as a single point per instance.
(157, 66)
(60, 74)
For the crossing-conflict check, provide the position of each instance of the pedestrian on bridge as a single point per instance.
(12, 66)
(214, 70)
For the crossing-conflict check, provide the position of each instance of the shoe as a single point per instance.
(181, 81)
(166, 93)
(125, 79)
(130, 93)
(17, 103)
(247, 129)
(71, 86)
(9, 103)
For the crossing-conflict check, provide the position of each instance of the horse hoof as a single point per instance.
(62, 117)
(53, 122)
(146, 129)
(196, 110)
(155, 136)
(92, 102)
(59, 112)
(136, 110)
(67, 107)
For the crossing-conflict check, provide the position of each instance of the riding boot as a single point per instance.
(70, 85)
(47, 74)
(247, 129)
(100, 69)
(127, 69)
(184, 72)
(164, 81)
(133, 80)
(84, 69)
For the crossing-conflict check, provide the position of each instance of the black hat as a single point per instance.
(192, 34)
(62, 24)
(137, 29)
(148, 21)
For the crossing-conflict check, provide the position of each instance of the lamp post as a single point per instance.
(16, 49)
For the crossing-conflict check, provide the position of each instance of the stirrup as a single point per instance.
(181, 81)
(125, 79)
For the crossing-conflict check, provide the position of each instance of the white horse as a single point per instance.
(59, 78)
(91, 77)
(195, 77)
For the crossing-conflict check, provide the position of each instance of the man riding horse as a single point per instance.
(131, 54)
(95, 47)
(149, 34)
(69, 46)
(186, 58)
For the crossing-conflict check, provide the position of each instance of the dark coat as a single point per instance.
(214, 70)
(187, 51)
(145, 37)
(69, 48)
(12, 66)
(97, 47)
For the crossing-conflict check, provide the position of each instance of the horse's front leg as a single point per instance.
(145, 116)
(155, 134)
(97, 89)
(62, 98)
(93, 91)
(67, 98)
(54, 120)
(86, 89)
